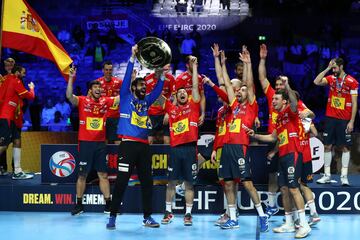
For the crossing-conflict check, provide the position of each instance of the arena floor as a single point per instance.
(63, 226)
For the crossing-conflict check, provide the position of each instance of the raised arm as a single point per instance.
(320, 79)
(245, 57)
(69, 89)
(228, 86)
(125, 86)
(195, 80)
(262, 67)
(220, 92)
(292, 96)
(218, 70)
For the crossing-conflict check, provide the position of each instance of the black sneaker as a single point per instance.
(78, 209)
(188, 219)
(107, 207)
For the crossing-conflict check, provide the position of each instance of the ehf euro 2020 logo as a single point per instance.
(62, 164)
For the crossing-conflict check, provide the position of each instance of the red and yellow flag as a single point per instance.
(25, 31)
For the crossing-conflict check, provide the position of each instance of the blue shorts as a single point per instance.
(334, 132)
(235, 162)
(183, 163)
(92, 155)
(290, 170)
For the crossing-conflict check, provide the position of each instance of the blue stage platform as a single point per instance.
(31, 195)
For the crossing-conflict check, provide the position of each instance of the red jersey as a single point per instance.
(92, 117)
(221, 122)
(183, 122)
(185, 80)
(18, 119)
(157, 108)
(339, 101)
(241, 118)
(304, 139)
(14, 89)
(287, 128)
(269, 93)
(111, 89)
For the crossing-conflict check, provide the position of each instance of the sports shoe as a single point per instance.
(284, 228)
(150, 222)
(107, 207)
(168, 217)
(303, 231)
(264, 223)
(324, 179)
(21, 175)
(3, 172)
(222, 219)
(314, 219)
(344, 180)
(271, 211)
(230, 224)
(111, 224)
(297, 223)
(78, 209)
(188, 219)
(180, 190)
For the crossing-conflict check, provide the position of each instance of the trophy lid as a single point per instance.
(153, 52)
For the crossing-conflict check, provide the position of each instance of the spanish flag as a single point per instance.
(23, 30)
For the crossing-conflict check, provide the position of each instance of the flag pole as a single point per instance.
(1, 26)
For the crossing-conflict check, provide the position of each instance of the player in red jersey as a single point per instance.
(306, 130)
(14, 89)
(286, 132)
(224, 113)
(17, 119)
(185, 80)
(110, 87)
(235, 162)
(272, 156)
(9, 64)
(156, 110)
(92, 130)
(183, 122)
(340, 116)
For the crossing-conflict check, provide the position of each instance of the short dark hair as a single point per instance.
(136, 80)
(92, 83)
(108, 62)
(16, 68)
(239, 64)
(339, 61)
(283, 93)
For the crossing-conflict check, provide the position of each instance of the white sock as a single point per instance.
(272, 199)
(260, 210)
(295, 213)
(345, 159)
(312, 206)
(302, 217)
(327, 163)
(232, 210)
(17, 159)
(188, 208)
(168, 206)
(288, 218)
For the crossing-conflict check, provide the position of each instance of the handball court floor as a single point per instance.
(62, 226)
(91, 225)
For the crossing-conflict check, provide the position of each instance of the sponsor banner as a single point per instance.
(118, 22)
(207, 199)
(203, 24)
(59, 163)
(317, 154)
